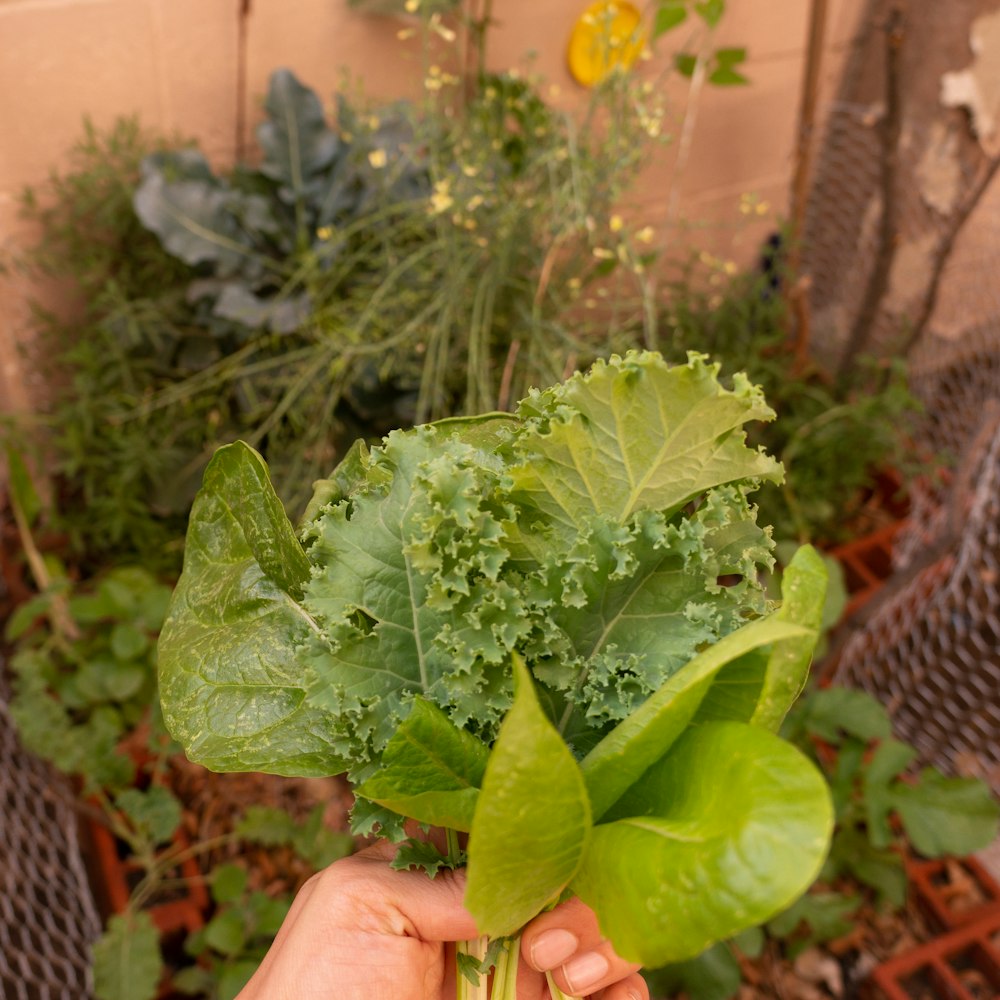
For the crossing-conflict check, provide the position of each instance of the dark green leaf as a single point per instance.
(726, 830)
(685, 63)
(234, 977)
(127, 963)
(431, 770)
(421, 855)
(128, 641)
(531, 822)
(827, 915)
(832, 711)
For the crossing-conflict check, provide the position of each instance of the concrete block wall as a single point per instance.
(175, 64)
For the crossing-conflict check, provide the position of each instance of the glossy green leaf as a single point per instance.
(232, 682)
(636, 743)
(126, 959)
(431, 770)
(724, 832)
(532, 820)
(944, 815)
(715, 974)
(761, 686)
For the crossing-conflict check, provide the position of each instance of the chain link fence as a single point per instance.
(47, 914)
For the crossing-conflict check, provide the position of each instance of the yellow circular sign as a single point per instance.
(608, 36)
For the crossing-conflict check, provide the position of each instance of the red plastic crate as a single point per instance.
(946, 905)
(963, 964)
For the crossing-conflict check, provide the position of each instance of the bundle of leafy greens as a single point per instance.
(545, 630)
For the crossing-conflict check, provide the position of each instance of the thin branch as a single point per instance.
(944, 250)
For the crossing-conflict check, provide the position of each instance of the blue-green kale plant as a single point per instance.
(544, 630)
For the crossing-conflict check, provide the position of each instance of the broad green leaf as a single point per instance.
(668, 16)
(637, 742)
(266, 825)
(803, 596)
(431, 770)
(232, 682)
(761, 686)
(532, 820)
(725, 831)
(942, 815)
(197, 217)
(128, 641)
(154, 810)
(685, 63)
(890, 759)
(724, 72)
(297, 143)
(630, 435)
(127, 963)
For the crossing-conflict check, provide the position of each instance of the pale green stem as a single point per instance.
(465, 988)
(556, 993)
(505, 974)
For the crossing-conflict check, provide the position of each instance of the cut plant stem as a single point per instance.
(505, 973)
(465, 988)
(554, 991)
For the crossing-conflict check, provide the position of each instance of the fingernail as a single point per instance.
(585, 971)
(551, 948)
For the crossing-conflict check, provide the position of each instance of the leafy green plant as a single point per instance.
(498, 622)
(882, 810)
(833, 438)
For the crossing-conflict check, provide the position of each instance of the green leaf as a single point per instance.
(668, 16)
(710, 11)
(760, 688)
(890, 759)
(531, 822)
(126, 959)
(229, 882)
(155, 811)
(630, 436)
(128, 642)
(724, 73)
(226, 932)
(421, 855)
(942, 815)
(431, 770)
(232, 681)
(21, 488)
(266, 825)
(832, 711)
(297, 143)
(25, 615)
(197, 217)
(234, 976)
(637, 742)
(827, 915)
(724, 832)
(715, 974)
(685, 63)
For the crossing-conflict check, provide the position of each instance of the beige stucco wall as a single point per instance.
(174, 62)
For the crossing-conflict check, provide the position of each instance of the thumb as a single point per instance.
(431, 909)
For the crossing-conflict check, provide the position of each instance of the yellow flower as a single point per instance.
(377, 158)
(441, 199)
(616, 223)
(411, 6)
(324, 232)
(645, 235)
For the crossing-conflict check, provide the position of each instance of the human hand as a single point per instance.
(359, 929)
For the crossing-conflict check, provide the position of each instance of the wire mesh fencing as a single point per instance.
(47, 915)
